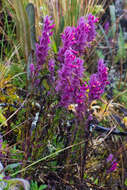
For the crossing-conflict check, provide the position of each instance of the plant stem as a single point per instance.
(83, 161)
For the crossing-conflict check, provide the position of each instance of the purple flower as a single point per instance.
(37, 81)
(51, 65)
(78, 38)
(95, 87)
(43, 46)
(6, 178)
(92, 28)
(102, 72)
(69, 84)
(80, 99)
(110, 157)
(84, 33)
(98, 81)
(68, 40)
(113, 167)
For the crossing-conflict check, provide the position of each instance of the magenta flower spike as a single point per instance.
(68, 83)
(113, 162)
(98, 81)
(67, 40)
(42, 46)
(95, 89)
(78, 38)
(85, 33)
(102, 72)
(113, 167)
(92, 29)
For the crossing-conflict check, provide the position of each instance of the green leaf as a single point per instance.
(42, 187)
(29, 61)
(125, 182)
(100, 54)
(121, 54)
(54, 47)
(125, 45)
(12, 166)
(31, 16)
(34, 185)
(45, 84)
(85, 176)
(97, 9)
(106, 38)
(113, 19)
(96, 181)
(121, 45)
(2, 118)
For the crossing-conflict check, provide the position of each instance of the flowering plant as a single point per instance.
(69, 81)
(66, 74)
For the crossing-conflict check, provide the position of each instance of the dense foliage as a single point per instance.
(63, 108)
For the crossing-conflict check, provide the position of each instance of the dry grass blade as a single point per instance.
(70, 10)
(22, 26)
